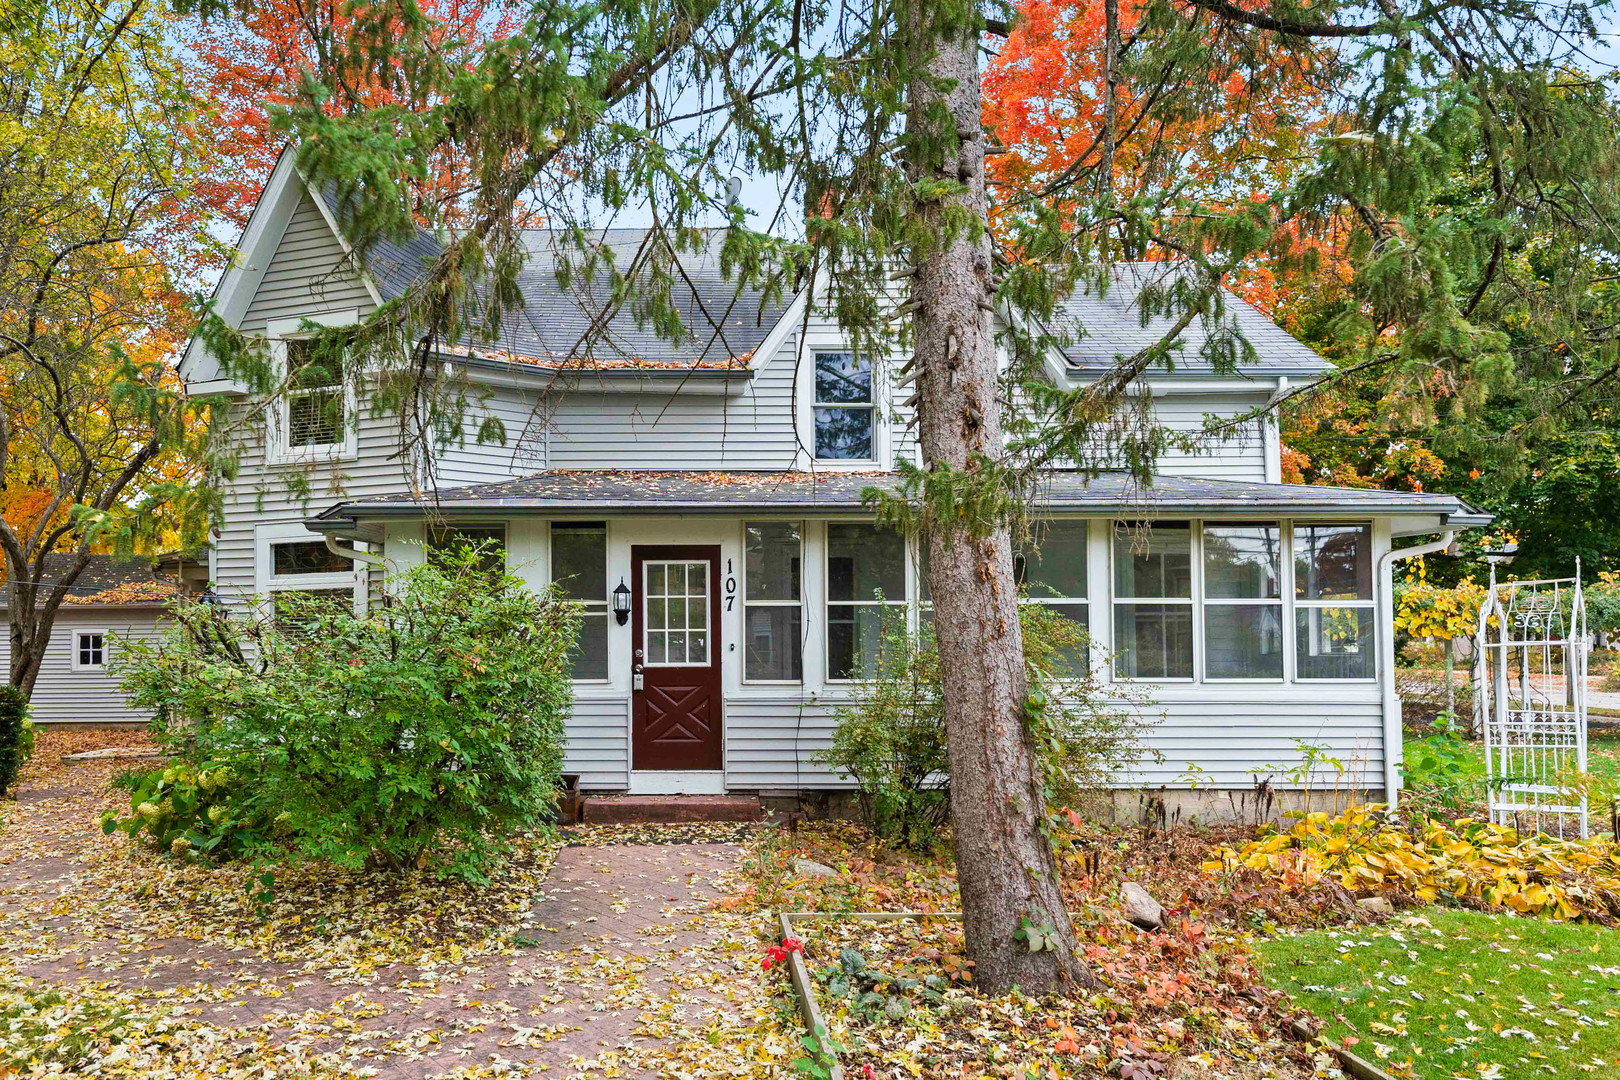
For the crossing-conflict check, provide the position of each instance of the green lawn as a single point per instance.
(1458, 994)
(1602, 760)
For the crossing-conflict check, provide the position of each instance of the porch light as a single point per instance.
(621, 602)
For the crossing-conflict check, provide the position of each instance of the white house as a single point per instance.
(111, 599)
(714, 486)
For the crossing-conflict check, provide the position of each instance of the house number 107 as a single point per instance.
(731, 586)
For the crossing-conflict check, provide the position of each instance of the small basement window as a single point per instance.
(89, 650)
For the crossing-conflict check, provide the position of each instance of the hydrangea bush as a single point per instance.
(425, 733)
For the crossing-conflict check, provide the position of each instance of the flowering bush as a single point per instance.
(776, 955)
(424, 734)
(1365, 851)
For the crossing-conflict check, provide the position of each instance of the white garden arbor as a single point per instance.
(1530, 701)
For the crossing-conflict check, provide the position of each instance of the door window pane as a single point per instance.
(1055, 564)
(1243, 561)
(1333, 562)
(1153, 641)
(1153, 560)
(1334, 642)
(863, 560)
(677, 612)
(1243, 641)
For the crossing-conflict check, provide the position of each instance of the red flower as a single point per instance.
(793, 944)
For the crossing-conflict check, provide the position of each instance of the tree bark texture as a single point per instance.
(1004, 861)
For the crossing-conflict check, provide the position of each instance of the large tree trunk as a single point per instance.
(1004, 862)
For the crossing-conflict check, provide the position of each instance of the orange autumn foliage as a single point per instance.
(1240, 137)
(252, 62)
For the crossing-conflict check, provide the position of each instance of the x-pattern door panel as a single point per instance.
(676, 607)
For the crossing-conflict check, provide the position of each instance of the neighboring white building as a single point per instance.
(111, 599)
(718, 481)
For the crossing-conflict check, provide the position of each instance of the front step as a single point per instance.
(655, 809)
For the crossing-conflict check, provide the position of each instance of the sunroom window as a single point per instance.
(579, 568)
(773, 606)
(1243, 603)
(1153, 600)
(1333, 601)
(866, 578)
(845, 410)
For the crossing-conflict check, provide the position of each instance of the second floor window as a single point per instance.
(316, 401)
(845, 410)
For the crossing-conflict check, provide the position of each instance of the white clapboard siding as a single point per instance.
(63, 695)
(598, 742)
(1242, 457)
(772, 744)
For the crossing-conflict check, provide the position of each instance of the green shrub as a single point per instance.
(891, 738)
(16, 735)
(205, 810)
(423, 734)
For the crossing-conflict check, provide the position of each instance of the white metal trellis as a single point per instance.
(1530, 699)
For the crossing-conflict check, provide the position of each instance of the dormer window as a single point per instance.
(844, 409)
(315, 398)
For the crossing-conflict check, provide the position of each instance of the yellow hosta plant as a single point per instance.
(1470, 861)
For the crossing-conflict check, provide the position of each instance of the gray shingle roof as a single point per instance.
(582, 326)
(658, 492)
(106, 580)
(1110, 326)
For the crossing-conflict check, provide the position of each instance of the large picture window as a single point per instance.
(579, 569)
(304, 579)
(866, 577)
(773, 605)
(1153, 600)
(1243, 602)
(845, 409)
(1333, 602)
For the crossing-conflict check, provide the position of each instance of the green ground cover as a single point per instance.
(1463, 995)
(1426, 759)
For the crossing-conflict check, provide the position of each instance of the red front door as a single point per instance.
(676, 677)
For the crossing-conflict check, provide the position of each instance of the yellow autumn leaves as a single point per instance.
(1364, 851)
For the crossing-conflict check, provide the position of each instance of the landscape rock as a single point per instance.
(1376, 905)
(115, 752)
(811, 868)
(1140, 908)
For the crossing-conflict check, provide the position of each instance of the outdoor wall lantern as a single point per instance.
(621, 602)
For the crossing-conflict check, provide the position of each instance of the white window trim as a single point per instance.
(1115, 602)
(592, 606)
(277, 450)
(106, 645)
(267, 581)
(908, 574)
(1285, 553)
(804, 382)
(1297, 604)
(804, 627)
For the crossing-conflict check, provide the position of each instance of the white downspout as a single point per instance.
(353, 553)
(1386, 658)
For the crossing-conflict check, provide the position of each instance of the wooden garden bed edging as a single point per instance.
(809, 1012)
